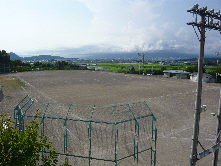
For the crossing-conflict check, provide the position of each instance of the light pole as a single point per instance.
(140, 54)
(217, 53)
(206, 21)
(139, 67)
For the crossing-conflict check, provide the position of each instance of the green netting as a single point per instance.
(91, 135)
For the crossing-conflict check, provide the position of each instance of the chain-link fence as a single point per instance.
(91, 135)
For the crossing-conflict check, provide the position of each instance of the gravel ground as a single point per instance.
(172, 101)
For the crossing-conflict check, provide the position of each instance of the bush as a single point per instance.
(23, 148)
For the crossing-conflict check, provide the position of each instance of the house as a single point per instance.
(206, 77)
(177, 74)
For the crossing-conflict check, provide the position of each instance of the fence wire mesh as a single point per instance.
(91, 135)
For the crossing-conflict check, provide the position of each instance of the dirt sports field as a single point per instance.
(172, 101)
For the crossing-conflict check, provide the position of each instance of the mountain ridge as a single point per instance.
(148, 55)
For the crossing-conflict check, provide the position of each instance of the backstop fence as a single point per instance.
(4, 67)
(91, 135)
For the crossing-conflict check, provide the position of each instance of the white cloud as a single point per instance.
(184, 34)
(131, 26)
(121, 23)
(168, 25)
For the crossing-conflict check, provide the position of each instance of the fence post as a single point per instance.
(216, 153)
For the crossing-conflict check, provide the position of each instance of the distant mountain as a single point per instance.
(148, 55)
(13, 56)
(43, 57)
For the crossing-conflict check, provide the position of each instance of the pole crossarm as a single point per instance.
(210, 17)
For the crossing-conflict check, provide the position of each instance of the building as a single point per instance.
(177, 74)
(206, 77)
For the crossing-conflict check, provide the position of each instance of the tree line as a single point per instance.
(19, 66)
(4, 57)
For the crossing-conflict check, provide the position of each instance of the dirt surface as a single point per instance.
(172, 101)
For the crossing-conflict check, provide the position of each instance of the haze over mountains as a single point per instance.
(13, 56)
(149, 55)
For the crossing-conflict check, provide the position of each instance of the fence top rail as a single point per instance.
(92, 121)
(131, 111)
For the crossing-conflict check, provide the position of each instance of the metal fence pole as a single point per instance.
(216, 153)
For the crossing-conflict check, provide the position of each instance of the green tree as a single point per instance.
(160, 71)
(15, 63)
(23, 148)
(4, 57)
(162, 68)
(61, 65)
(37, 64)
(132, 70)
(22, 68)
(194, 69)
(74, 66)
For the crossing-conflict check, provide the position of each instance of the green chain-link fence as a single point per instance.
(90, 135)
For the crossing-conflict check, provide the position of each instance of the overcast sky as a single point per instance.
(75, 27)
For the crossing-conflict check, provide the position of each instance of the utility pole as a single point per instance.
(143, 60)
(217, 53)
(206, 21)
(198, 95)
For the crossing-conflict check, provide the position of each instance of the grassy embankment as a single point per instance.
(9, 83)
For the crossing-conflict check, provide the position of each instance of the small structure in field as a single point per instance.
(177, 74)
(206, 77)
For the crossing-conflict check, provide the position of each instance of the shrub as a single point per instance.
(23, 148)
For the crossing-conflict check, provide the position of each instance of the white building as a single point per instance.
(206, 77)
